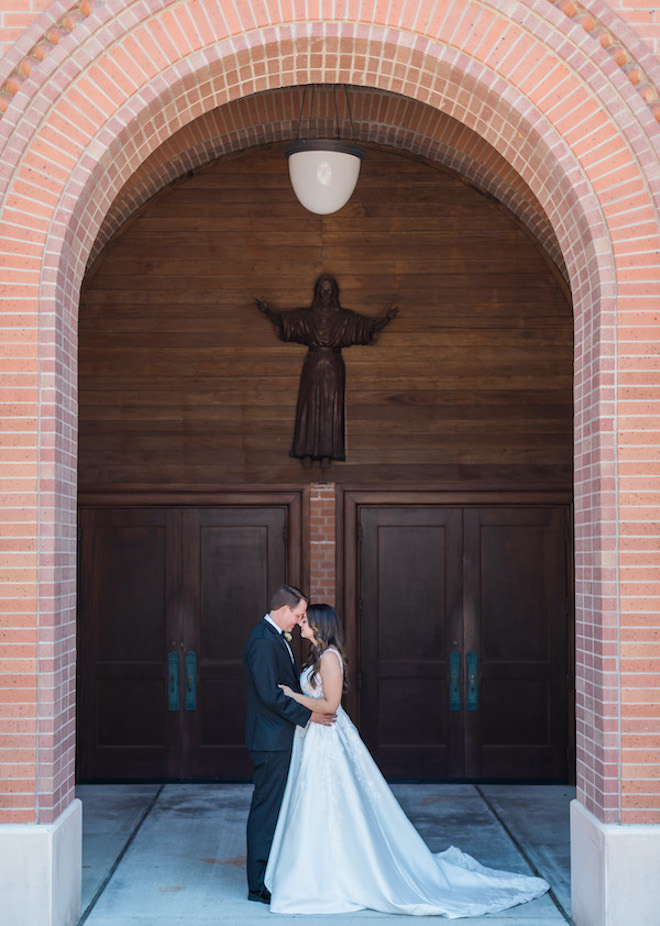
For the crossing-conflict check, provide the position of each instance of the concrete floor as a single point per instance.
(174, 855)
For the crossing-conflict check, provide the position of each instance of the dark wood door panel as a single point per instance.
(515, 606)
(171, 583)
(237, 557)
(474, 598)
(409, 620)
(125, 619)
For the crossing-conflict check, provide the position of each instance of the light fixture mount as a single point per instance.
(325, 144)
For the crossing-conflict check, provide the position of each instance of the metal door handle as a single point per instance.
(191, 681)
(454, 680)
(173, 681)
(472, 698)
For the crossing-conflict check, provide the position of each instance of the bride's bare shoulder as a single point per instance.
(335, 652)
(331, 649)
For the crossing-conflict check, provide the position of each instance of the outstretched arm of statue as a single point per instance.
(265, 309)
(385, 319)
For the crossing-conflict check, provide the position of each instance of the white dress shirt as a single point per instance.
(270, 620)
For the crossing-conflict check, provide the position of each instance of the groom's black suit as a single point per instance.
(270, 724)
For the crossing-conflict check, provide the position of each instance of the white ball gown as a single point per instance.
(344, 844)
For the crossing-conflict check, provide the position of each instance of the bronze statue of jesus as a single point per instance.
(325, 327)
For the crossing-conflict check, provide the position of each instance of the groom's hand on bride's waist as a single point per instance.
(325, 720)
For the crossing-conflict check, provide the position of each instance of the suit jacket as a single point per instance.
(271, 716)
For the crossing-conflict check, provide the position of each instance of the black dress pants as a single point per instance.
(270, 773)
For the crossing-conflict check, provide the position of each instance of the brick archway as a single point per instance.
(377, 117)
(531, 80)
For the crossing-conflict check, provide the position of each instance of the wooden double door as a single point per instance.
(167, 599)
(463, 628)
(461, 640)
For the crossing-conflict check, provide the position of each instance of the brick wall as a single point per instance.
(19, 19)
(322, 543)
(569, 103)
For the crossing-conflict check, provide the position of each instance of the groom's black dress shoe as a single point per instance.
(259, 896)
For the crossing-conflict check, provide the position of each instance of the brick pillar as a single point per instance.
(322, 543)
(40, 819)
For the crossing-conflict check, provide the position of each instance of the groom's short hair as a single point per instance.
(286, 595)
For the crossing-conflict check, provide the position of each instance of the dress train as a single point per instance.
(343, 842)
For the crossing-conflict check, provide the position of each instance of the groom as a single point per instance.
(270, 725)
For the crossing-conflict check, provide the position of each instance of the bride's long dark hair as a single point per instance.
(325, 624)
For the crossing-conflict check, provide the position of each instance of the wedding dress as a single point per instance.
(343, 843)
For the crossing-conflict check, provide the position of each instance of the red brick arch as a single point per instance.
(538, 87)
(377, 117)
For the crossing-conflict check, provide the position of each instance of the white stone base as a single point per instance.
(615, 872)
(40, 871)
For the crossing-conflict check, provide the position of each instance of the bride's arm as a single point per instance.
(333, 683)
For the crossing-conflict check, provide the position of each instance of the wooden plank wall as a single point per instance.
(183, 382)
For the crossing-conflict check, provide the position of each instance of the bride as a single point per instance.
(342, 841)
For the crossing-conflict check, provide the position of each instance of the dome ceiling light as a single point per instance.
(323, 172)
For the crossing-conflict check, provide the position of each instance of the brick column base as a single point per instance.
(41, 870)
(614, 872)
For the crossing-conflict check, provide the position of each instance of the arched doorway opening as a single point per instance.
(462, 410)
